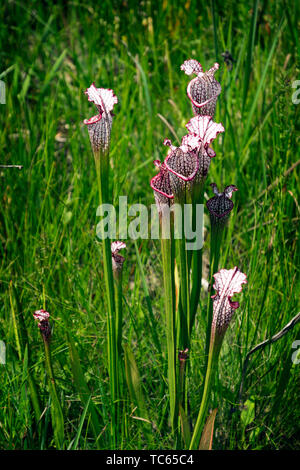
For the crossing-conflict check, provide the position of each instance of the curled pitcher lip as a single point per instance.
(103, 98)
(227, 283)
(99, 126)
(204, 128)
(93, 119)
(161, 186)
(161, 182)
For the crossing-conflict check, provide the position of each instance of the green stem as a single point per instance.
(196, 285)
(56, 410)
(119, 313)
(196, 262)
(119, 321)
(215, 244)
(184, 319)
(181, 379)
(102, 169)
(184, 294)
(214, 350)
(167, 247)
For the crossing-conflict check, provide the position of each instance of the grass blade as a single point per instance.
(148, 300)
(82, 387)
(185, 426)
(261, 83)
(134, 382)
(78, 434)
(208, 432)
(250, 47)
(50, 75)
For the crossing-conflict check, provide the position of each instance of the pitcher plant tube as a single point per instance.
(164, 199)
(227, 283)
(57, 417)
(99, 129)
(203, 91)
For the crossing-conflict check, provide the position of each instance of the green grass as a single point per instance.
(50, 256)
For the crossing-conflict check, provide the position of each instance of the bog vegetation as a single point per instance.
(108, 347)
